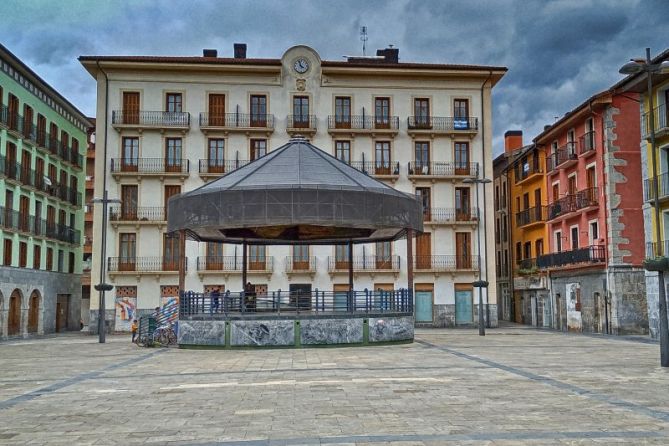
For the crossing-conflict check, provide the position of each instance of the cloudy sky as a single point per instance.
(558, 52)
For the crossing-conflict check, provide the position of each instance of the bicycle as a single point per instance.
(164, 335)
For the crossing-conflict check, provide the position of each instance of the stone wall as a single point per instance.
(444, 317)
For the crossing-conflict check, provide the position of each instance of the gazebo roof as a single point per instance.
(296, 194)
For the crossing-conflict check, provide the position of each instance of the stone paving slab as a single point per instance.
(513, 386)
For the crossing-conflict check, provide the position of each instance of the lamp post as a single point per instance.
(646, 66)
(103, 287)
(480, 284)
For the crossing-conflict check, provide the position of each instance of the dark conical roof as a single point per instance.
(295, 194)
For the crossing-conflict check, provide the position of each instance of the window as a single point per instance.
(217, 110)
(497, 230)
(216, 155)
(49, 259)
(343, 151)
(171, 252)
(37, 256)
(127, 251)
(129, 202)
(61, 261)
(27, 121)
(301, 257)
(173, 103)
(341, 254)
(593, 232)
(382, 113)
(41, 130)
(301, 112)
(505, 226)
(170, 191)
(24, 213)
(383, 255)
(539, 247)
(130, 107)
(463, 250)
(64, 144)
(173, 154)
(258, 111)
(571, 185)
(257, 257)
(382, 158)
(496, 197)
(130, 154)
(13, 112)
(558, 241)
(574, 237)
(423, 194)
(519, 251)
(556, 192)
(527, 250)
(422, 156)
(214, 249)
(258, 148)
(421, 109)
(7, 253)
(460, 114)
(526, 201)
(342, 112)
(590, 177)
(462, 204)
(70, 264)
(462, 166)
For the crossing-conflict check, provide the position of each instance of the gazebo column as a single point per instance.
(410, 263)
(350, 275)
(182, 262)
(244, 262)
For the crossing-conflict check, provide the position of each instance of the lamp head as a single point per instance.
(632, 67)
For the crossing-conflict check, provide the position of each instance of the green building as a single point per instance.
(42, 180)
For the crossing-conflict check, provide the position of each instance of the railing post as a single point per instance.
(316, 300)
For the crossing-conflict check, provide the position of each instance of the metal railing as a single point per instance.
(574, 202)
(527, 264)
(377, 168)
(237, 120)
(590, 254)
(298, 265)
(586, 142)
(449, 215)
(445, 169)
(22, 222)
(138, 213)
(649, 187)
(301, 122)
(562, 155)
(653, 251)
(446, 262)
(366, 263)
(442, 123)
(393, 302)
(661, 120)
(150, 165)
(524, 170)
(234, 264)
(531, 215)
(151, 118)
(363, 122)
(143, 264)
(210, 166)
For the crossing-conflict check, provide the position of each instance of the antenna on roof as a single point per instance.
(363, 38)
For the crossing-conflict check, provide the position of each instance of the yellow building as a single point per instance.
(527, 192)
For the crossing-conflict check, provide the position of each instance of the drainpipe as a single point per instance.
(485, 220)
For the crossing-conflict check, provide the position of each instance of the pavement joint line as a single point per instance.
(28, 396)
(638, 408)
(629, 338)
(487, 436)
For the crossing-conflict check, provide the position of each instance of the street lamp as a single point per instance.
(103, 287)
(636, 66)
(480, 284)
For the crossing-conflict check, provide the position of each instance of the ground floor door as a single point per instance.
(424, 300)
(340, 298)
(464, 313)
(518, 308)
(14, 316)
(300, 295)
(62, 310)
(561, 320)
(33, 313)
(534, 310)
(548, 314)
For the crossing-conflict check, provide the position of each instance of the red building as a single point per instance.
(594, 216)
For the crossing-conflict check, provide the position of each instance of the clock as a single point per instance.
(301, 65)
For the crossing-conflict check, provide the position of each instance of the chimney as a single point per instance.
(390, 54)
(240, 50)
(209, 53)
(513, 139)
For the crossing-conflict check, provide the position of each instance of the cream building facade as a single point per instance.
(170, 124)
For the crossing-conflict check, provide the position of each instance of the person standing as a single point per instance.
(133, 328)
(215, 297)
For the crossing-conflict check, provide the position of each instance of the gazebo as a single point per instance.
(296, 194)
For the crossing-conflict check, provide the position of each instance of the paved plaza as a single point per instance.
(451, 387)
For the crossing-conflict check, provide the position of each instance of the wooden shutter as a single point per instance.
(424, 251)
(217, 110)
(130, 107)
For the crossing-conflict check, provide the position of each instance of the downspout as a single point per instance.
(101, 303)
(485, 220)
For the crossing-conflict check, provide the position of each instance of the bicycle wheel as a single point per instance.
(171, 337)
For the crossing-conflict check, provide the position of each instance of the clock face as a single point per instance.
(301, 65)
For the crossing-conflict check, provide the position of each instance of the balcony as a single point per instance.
(51, 144)
(226, 265)
(446, 263)
(526, 266)
(662, 184)
(148, 120)
(301, 125)
(450, 216)
(157, 167)
(237, 122)
(564, 157)
(143, 265)
(442, 171)
(586, 144)
(365, 264)
(363, 124)
(588, 255)
(571, 203)
(380, 170)
(661, 119)
(295, 265)
(11, 220)
(436, 125)
(141, 215)
(526, 171)
(215, 168)
(531, 216)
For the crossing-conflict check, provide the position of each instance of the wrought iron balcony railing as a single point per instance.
(574, 202)
(527, 264)
(13, 220)
(300, 264)
(145, 118)
(377, 167)
(143, 264)
(363, 122)
(649, 187)
(31, 178)
(590, 254)
(439, 169)
(150, 165)
(234, 264)
(445, 263)
(137, 214)
(655, 250)
(563, 155)
(219, 167)
(237, 120)
(296, 122)
(524, 171)
(586, 143)
(661, 117)
(443, 124)
(532, 215)
(366, 263)
(450, 215)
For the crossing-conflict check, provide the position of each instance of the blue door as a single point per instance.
(423, 306)
(340, 301)
(463, 307)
